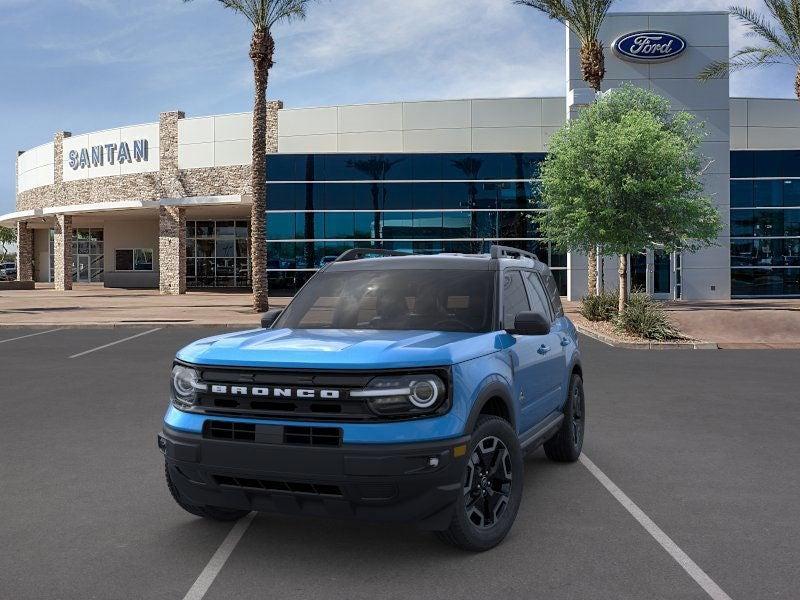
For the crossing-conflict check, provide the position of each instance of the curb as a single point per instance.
(645, 345)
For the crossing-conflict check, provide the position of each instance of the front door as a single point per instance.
(533, 358)
(83, 268)
(662, 272)
(650, 272)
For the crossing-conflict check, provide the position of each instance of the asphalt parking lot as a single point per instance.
(703, 442)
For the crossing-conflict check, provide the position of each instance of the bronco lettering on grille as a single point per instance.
(275, 392)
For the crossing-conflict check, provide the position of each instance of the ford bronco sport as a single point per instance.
(393, 387)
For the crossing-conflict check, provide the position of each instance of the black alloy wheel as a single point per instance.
(487, 485)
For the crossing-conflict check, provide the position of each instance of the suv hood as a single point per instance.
(339, 348)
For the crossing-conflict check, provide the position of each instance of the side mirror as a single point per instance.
(269, 317)
(530, 323)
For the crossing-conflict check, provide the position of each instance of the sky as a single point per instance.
(86, 65)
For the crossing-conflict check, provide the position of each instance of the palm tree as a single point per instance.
(584, 19)
(263, 15)
(780, 41)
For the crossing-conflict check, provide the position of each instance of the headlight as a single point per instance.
(185, 385)
(405, 395)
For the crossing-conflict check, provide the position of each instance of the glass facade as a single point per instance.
(765, 223)
(217, 254)
(320, 205)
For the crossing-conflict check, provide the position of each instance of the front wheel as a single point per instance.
(491, 488)
(566, 444)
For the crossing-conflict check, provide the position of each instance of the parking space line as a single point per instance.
(115, 343)
(214, 566)
(695, 572)
(22, 337)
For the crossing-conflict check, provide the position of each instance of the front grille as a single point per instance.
(229, 430)
(272, 434)
(312, 436)
(316, 489)
(288, 395)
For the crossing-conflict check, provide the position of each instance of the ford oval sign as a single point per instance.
(649, 46)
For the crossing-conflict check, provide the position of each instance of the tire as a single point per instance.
(566, 444)
(207, 512)
(470, 528)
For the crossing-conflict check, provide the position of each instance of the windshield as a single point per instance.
(437, 300)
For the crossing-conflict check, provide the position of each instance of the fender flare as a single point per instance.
(495, 389)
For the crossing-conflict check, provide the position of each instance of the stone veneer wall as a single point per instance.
(62, 251)
(169, 182)
(24, 252)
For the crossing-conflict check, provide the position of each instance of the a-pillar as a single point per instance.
(24, 252)
(62, 253)
(171, 250)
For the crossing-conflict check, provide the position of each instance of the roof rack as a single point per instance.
(359, 253)
(497, 252)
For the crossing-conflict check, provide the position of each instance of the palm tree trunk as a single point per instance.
(593, 70)
(797, 84)
(261, 51)
(593, 67)
(623, 282)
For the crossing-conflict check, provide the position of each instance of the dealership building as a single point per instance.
(167, 204)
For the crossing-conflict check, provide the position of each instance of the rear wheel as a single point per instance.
(207, 512)
(491, 488)
(566, 444)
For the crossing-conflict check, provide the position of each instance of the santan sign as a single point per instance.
(97, 156)
(649, 46)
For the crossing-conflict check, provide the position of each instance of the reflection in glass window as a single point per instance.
(218, 252)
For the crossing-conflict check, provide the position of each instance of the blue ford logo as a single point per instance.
(649, 46)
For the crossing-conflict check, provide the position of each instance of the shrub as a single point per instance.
(601, 307)
(646, 318)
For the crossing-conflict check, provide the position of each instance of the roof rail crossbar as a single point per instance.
(497, 252)
(359, 253)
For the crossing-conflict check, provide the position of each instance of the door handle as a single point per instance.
(565, 341)
(543, 349)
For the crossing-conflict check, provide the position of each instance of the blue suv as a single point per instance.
(393, 387)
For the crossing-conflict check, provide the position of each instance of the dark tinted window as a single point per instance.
(515, 298)
(538, 297)
(437, 300)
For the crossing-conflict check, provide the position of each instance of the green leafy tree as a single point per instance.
(778, 40)
(263, 15)
(626, 174)
(8, 236)
(584, 19)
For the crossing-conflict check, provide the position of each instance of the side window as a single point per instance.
(555, 296)
(515, 299)
(539, 302)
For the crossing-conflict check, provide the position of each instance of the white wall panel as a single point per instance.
(299, 144)
(370, 117)
(766, 138)
(196, 131)
(508, 112)
(738, 112)
(507, 139)
(554, 111)
(437, 140)
(308, 121)
(233, 152)
(195, 156)
(739, 138)
(233, 127)
(444, 114)
(773, 113)
(709, 29)
(371, 141)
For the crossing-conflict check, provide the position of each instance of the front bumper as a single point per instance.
(412, 482)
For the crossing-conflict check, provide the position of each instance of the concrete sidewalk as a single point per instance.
(735, 324)
(93, 305)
